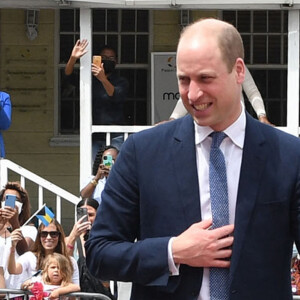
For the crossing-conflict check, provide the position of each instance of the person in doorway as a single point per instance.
(5, 118)
(108, 94)
(168, 191)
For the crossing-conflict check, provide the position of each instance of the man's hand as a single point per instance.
(200, 246)
(99, 72)
(79, 49)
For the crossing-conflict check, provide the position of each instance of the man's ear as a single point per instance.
(240, 70)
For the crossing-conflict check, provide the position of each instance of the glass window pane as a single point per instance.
(142, 21)
(99, 18)
(244, 21)
(112, 20)
(260, 21)
(127, 48)
(230, 17)
(247, 48)
(66, 20)
(112, 41)
(285, 21)
(259, 49)
(98, 43)
(285, 49)
(274, 50)
(260, 78)
(77, 20)
(128, 21)
(274, 85)
(142, 49)
(275, 21)
(67, 42)
(141, 83)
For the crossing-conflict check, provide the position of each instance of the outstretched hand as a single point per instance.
(79, 48)
(200, 246)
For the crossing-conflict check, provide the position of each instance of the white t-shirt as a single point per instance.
(98, 189)
(28, 261)
(15, 281)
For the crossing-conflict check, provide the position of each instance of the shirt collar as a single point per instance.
(236, 131)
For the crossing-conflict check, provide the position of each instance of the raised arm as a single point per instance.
(78, 51)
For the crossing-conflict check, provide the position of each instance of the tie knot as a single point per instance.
(217, 138)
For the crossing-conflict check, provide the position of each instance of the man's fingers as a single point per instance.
(224, 231)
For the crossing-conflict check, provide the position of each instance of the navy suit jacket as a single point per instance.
(152, 194)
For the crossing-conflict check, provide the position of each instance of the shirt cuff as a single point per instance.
(173, 268)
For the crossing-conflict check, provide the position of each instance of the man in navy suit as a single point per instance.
(154, 224)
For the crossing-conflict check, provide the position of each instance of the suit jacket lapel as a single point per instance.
(255, 153)
(183, 155)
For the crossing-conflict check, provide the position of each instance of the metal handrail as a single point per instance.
(77, 294)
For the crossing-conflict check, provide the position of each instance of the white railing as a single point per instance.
(42, 184)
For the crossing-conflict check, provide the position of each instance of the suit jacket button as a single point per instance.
(233, 291)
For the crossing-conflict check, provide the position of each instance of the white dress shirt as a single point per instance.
(232, 148)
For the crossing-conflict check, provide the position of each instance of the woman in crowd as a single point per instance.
(79, 233)
(49, 239)
(12, 219)
(94, 185)
(56, 279)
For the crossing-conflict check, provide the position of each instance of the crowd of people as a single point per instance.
(44, 258)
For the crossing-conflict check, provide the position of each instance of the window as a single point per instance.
(127, 31)
(264, 35)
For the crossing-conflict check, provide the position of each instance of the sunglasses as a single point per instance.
(53, 234)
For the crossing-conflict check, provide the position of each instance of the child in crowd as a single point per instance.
(56, 279)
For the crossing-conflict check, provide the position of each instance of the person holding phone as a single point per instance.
(86, 214)
(94, 185)
(14, 212)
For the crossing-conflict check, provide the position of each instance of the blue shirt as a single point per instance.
(5, 118)
(109, 110)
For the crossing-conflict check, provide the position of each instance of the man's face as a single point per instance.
(209, 92)
(108, 54)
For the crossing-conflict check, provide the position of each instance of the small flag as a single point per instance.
(45, 215)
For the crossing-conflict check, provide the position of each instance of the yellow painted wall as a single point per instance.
(27, 74)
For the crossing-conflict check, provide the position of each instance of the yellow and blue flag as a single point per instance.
(45, 215)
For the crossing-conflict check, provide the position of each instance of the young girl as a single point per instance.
(56, 279)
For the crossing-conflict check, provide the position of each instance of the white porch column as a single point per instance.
(293, 74)
(85, 97)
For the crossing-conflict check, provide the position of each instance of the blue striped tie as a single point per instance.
(219, 277)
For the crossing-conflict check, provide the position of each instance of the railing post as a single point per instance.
(3, 173)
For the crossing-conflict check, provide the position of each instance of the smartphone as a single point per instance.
(82, 211)
(97, 60)
(108, 161)
(10, 200)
